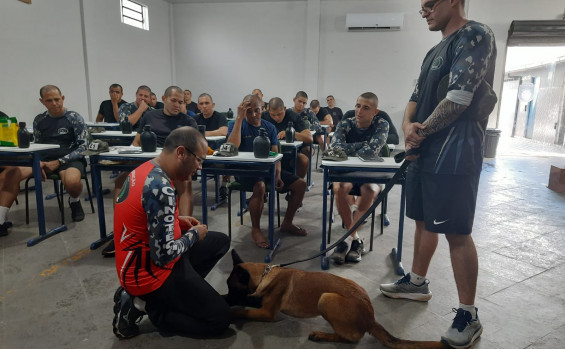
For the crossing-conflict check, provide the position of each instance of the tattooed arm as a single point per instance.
(444, 114)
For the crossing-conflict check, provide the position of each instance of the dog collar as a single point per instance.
(268, 269)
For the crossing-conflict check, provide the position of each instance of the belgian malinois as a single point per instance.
(343, 303)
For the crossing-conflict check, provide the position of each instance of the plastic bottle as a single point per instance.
(23, 136)
(261, 145)
(126, 126)
(229, 114)
(14, 131)
(148, 140)
(3, 129)
(290, 133)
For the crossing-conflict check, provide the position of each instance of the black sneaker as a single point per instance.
(110, 250)
(4, 228)
(356, 251)
(338, 255)
(77, 213)
(126, 316)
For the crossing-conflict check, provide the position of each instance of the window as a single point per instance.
(134, 14)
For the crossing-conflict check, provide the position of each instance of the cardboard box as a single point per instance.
(557, 179)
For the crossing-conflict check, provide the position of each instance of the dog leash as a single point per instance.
(400, 173)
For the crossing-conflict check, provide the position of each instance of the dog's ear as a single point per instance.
(236, 258)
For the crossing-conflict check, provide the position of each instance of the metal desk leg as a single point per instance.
(396, 254)
(274, 243)
(204, 194)
(309, 182)
(43, 234)
(324, 259)
(97, 188)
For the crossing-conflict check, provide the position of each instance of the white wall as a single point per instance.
(129, 56)
(42, 44)
(227, 50)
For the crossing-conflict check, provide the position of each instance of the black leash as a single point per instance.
(394, 180)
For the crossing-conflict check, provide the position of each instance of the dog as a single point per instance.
(342, 302)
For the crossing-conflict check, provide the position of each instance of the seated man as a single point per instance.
(300, 101)
(392, 133)
(334, 111)
(191, 106)
(216, 123)
(324, 118)
(154, 103)
(109, 109)
(162, 122)
(259, 93)
(363, 134)
(242, 133)
(60, 126)
(279, 116)
(162, 256)
(134, 110)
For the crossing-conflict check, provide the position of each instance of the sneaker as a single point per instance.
(356, 251)
(110, 250)
(464, 331)
(403, 288)
(338, 255)
(126, 316)
(77, 214)
(4, 228)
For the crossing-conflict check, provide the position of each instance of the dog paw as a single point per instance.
(316, 336)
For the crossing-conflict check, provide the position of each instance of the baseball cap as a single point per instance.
(96, 147)
(227, 149)
(334, 154)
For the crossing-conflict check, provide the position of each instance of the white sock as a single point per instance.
(353, 208)
(417, 279)
(74, 199)
(470, 308)
(3, 214)
(139, 304)
(354, 237)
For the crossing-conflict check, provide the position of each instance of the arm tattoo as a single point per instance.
(444, 114)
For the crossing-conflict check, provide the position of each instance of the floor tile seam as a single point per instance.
(518, 283)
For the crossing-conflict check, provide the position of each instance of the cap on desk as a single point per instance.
(96, 147)
(227, 149)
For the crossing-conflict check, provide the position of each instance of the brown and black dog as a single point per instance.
(343, 303)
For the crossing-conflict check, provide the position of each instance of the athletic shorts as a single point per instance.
(247, 183)
(78, 164)
(446, 203)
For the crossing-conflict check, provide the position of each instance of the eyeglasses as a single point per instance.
(198, 158)
(429, 7)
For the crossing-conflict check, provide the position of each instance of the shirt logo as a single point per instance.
(62, 131)
(438, 63)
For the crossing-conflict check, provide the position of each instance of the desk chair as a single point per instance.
(59, 193)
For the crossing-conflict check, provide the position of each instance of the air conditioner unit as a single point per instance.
(374, 21)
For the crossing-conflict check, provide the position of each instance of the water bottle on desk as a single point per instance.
(23, 136)
(148, 140)
(261, 145)
(229, 114)
(126, 127)
(290, 133)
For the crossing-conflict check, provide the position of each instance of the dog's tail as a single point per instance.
(390, 341)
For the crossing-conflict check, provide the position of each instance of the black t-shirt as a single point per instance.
(289, 116)
(163, 124)
(193, 107)
(336, 114)
(322, 114)
(107, 110)
(212, 123)
(159, 105)
(392, 133)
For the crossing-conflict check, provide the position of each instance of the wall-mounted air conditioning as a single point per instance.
(374, 21)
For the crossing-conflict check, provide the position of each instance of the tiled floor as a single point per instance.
(58, 294)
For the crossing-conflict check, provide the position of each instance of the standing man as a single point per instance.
(334, 111)
(134, 110)
(445, 122)
(190, 105)
(361, 135)
(242, 133)
(279, 116)
(109, 109)
(216, 123)
(163, 257)
(56, 125)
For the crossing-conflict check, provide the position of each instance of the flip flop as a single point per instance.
(296, 231)
(261, 243)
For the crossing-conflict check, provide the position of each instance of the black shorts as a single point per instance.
(247, 183)
(446, 203)
(78, 164)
